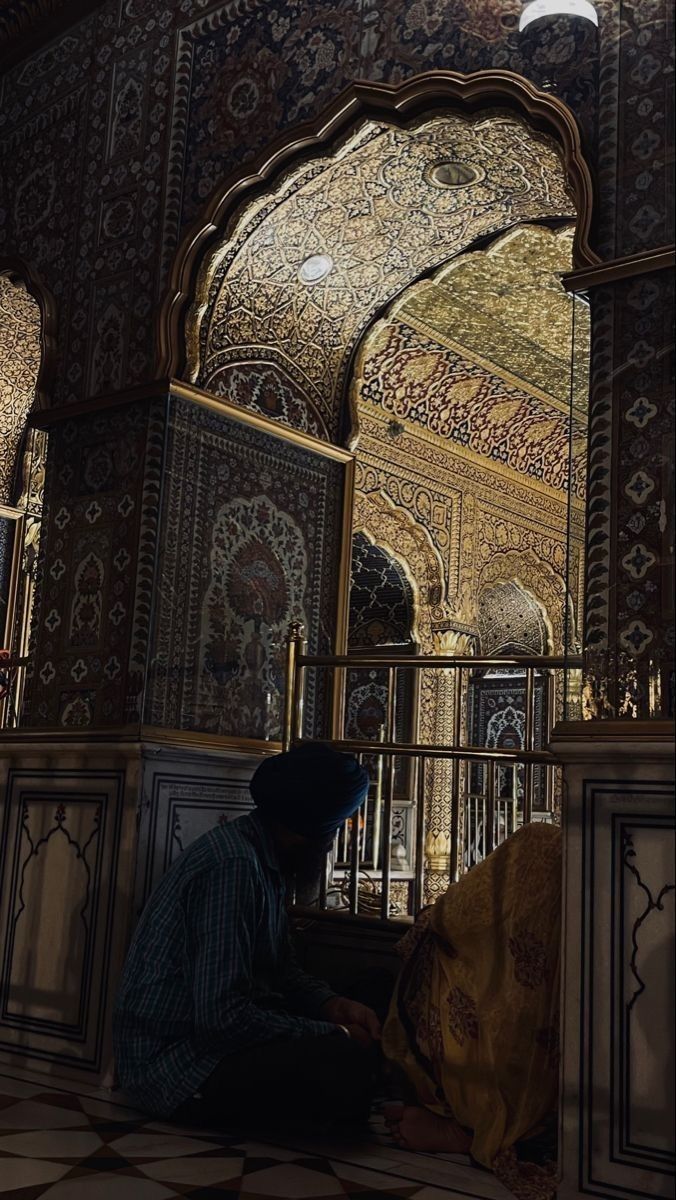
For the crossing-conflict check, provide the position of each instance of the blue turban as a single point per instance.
(310, 789)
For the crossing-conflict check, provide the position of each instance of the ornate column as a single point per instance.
(443, 816)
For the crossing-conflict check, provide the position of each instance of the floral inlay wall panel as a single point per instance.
(250, 540)
(96, 564)
(268, 390)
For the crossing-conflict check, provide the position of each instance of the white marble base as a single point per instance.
(617, 1112)
(86, 830)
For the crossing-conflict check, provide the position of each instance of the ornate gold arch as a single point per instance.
(432, 92)
(409, 543)
(528, 572)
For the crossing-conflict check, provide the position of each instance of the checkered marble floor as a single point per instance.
(61, 1141)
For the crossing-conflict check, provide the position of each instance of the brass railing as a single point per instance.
(361, 878)
(12, 676)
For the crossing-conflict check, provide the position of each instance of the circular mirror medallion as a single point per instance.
(452, 174)
(316, 267)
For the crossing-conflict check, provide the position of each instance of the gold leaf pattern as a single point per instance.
(372, 210)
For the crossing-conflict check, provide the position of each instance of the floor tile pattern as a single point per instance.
(61, 1141)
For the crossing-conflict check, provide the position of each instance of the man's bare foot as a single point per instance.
(416, 1128)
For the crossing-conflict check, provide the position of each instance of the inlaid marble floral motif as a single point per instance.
(253, 545)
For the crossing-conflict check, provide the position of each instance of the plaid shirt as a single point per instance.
(210, 970)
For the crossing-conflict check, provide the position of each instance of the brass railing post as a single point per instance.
(294, 646)
(454, 862)
(489, 819)
(378, 806)
(528, 773)
(419, 859)
(489, 816)
(354, 859)
(389, 795)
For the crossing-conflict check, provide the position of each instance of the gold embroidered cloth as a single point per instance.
(473, 1022)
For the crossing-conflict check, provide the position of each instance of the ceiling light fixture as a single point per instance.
(316, 267)
(534, 10)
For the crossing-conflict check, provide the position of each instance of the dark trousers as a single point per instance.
(296, 1083)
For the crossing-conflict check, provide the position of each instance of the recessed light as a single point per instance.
(316, 267)
(534, 10)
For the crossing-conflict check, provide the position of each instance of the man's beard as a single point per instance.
(303, 867)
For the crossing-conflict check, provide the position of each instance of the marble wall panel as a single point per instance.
(618, 1047)
(59, 908)
(184, 796)
(250, 540)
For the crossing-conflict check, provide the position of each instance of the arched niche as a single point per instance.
(381, 598)
(512, 621)
(525, 570)
(26, 365)
(381, 621)
(408, 543)
(426, 98)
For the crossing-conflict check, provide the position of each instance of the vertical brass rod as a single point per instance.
(323, 878)
(489, 840)
(354, 864)
(365, 816)
(484, 834)
(300, 686)
(419, 861)
(389, 794)
(378, 809)
(551, 717)
(293, 641)
(528, 778)
(339, 694)
(454, 864)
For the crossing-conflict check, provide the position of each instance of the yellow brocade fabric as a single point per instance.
(474, 1022)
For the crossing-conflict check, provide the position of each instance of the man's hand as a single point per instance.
(356, 1017)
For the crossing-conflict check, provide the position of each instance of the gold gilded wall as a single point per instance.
(481, 355)
(460, 526)
(487, 523)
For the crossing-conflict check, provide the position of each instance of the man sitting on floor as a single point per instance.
(214, 1020)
